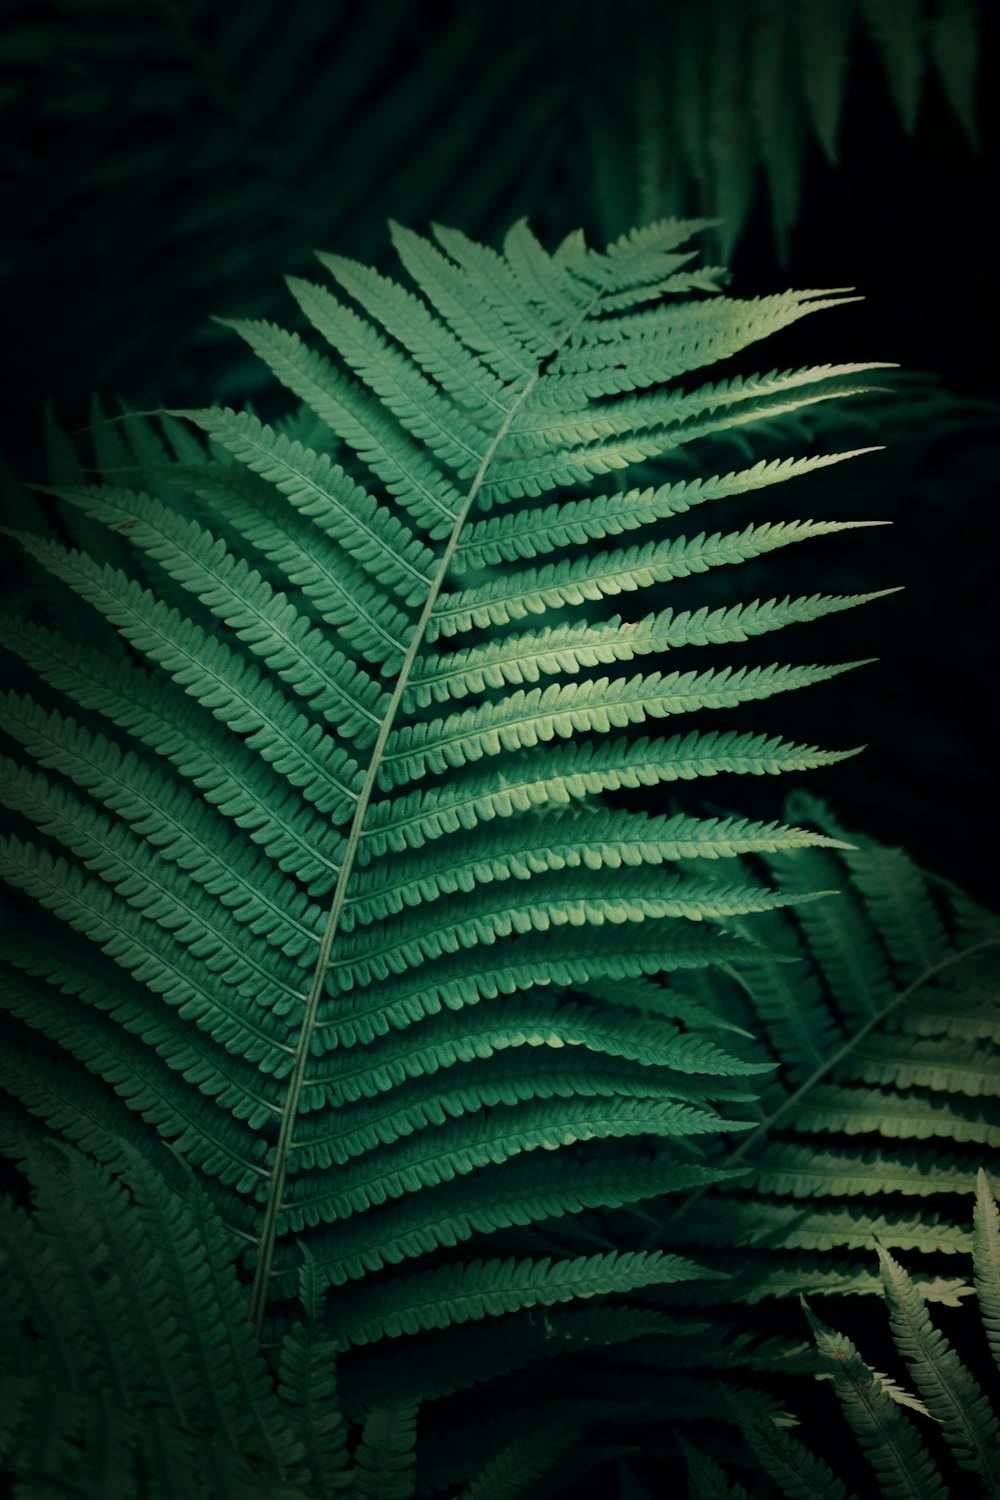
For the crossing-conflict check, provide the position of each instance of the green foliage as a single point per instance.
(883, 1102)
(890, 1424)
(131, 1366)
(376, 1025)
(305, 877)
(886, 1031)
(196, 152)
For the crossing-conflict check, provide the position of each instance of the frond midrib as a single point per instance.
(279, 1168)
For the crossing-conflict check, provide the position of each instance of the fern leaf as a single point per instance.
(524, 719)
(490, 1288)
(340, 592)
(232, 689)
(986, 1254)
(428, 496)
(518, 1194)
(32, 1275)
(572, 648)
(420, 409)
(336, 504)
(150, 1276)
(886, 1090)
(952, 1395)
(572, 772)
(384, 1458)
(514, 597)
(954, 38)
(629, 1487)
(163, 720)
(443, 356)
(823, 32)
(615, 840)
(294, 651)
(889, 1440)
(506, 1475)
(706, 1479)
(168, 816)
(308, 1389)
(895, 30)
(800, 1475)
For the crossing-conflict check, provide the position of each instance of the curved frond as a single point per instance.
(312, 870)
(952, 1396)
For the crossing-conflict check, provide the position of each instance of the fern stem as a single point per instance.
(821, 1072)
(279, 1171)
(283, 1147)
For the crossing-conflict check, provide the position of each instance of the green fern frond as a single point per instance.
(507, 1474)
(289, 118)
(789, 1463)
(384, 1458)
(878, 1408)
(888, 1029)
(309, 921)
(290, 121)
(837, 1156)
(307, 1387)
(986, 1256)
(706, 1479)
(890, 1441)
(952, 1395)
(143, 1372)
(483, 1289)
(629, 1487)
(572, 772)
(723, 95)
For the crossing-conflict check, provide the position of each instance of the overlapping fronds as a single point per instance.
(883, 1101)
(130, 1367)
(306, 880)
(885, 1032)
(939, 1439)
(129, 1364)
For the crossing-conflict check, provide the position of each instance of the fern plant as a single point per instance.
(129, 1364)
(882, 1101)
(896, 1430)
(195, 151)
(884, 1030)
(886, 1033)
(307, 840)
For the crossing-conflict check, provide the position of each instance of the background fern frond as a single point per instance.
(879, 1410)
(143, 1371)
